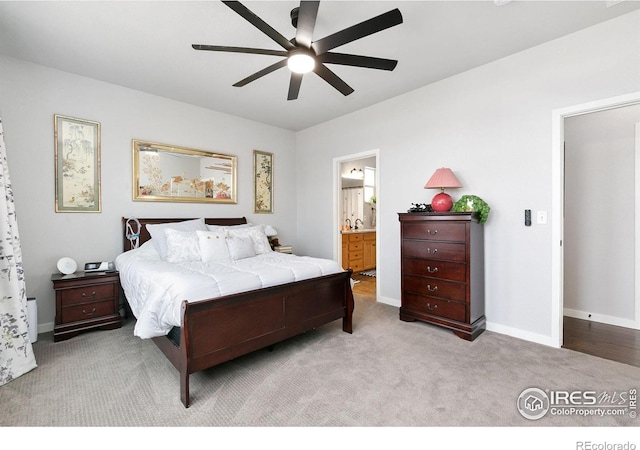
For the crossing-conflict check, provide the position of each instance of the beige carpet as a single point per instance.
(387, 373)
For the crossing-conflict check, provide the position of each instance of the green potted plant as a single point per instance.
(473, 203)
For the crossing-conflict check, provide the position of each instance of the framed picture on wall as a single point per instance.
(77, 164)
(263, 182)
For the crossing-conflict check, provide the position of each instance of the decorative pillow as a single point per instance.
(260, 240)
(182, 246)
(213, 245)
(240, 247)
(159, 238)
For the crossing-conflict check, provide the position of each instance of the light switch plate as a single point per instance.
(542, 217)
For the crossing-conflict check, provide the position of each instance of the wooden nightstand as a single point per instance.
(86, 301)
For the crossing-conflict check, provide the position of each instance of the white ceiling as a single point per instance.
(146, 45)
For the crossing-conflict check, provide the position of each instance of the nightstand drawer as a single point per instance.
(435, 307)
(440, 231)
(436, 287)
(433, 268)
(88, 311)
(85, 294)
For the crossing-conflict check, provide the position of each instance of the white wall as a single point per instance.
(599, 238)
(30, 95)
(492, 126)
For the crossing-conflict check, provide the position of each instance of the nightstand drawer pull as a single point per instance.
(432, 252)
(431, 308)
(432, 289)
(88, 313)
(93, 294)
(432, 233)
(430, 270)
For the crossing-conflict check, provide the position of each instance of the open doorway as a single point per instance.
(599, 233)
(356, 219)
(563, 253)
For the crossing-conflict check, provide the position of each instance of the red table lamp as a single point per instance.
(441, 179)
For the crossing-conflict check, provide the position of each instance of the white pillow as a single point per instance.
(240, 247)
(182, 246)
(260, 240)
(227, 227)
(213, 245)
(159, 238)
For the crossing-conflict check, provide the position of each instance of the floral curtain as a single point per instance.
(16, 353)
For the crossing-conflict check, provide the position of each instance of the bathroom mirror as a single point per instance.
(164, 173)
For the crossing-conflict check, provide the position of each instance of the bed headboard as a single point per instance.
(145, 236)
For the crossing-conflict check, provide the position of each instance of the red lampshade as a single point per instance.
(441, 179)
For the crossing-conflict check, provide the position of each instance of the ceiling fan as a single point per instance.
(302, 54)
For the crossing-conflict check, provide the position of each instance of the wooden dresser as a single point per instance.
(85, 301)
(443, 271)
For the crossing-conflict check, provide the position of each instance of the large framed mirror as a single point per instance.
(165, 173)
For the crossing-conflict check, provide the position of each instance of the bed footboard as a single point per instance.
(221, 329)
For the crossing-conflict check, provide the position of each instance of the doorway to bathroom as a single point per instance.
(356, 218)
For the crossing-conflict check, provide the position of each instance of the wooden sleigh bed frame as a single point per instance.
(220, 329)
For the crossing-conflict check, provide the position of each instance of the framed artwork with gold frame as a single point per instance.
(263, 182)
(77, 164)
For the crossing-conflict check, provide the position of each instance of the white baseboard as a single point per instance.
(389, 301)
(45, 327)
(521, 334)
(602, 318)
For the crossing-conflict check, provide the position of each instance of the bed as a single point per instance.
(224, 326)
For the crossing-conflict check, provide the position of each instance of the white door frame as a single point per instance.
(557, 205)
(337, 192)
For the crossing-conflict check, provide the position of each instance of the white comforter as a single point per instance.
(155, 288)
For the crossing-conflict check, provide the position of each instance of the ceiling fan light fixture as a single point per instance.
(301, 62)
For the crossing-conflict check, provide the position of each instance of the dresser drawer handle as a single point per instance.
(432, 289)
(431, 308)
(93, 294)
(430, 270)
(88, 313)
(434, 251)
(432, 233)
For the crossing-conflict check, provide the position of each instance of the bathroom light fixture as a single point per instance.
(442, 178)
(300, 62)
(356, 174)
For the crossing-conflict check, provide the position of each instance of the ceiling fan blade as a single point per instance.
(368, 62)
(223, 48)
(294, 85)
(260, 24)
(306, 23)
(261, 73)
(355, 32)
(333, 79)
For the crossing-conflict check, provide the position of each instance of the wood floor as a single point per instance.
(365, 286)
(605, 341)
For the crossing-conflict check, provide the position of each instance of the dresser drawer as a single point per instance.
(434, 268)
(434, 250)
(87, 294)
(440, 231)
(436, 287)
(436, 307)
(88, 311)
